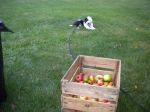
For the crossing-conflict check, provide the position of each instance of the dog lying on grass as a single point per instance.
(87, 23)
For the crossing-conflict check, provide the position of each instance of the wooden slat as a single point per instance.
(90, 90)
(118, 75)
(99, 62)
(87, 105)
(72, 69)
(75, 74)
(68, 110)
(96, 71)
(118, 79)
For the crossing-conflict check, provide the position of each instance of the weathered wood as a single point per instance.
(78, 70)
(118, 74)
(90, 65)
(72, 69)
(87, 105)
(69, 110)
(94, 72)
(90, 90)
(99, 62)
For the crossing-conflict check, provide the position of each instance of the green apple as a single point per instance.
(85, 78)
(107, 78)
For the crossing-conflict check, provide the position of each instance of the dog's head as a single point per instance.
(88, 23)
(88, 18)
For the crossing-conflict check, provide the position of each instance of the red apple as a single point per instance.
(105, 101)
(100, 82)
(89, 98)
(110, 84)
(79, 77)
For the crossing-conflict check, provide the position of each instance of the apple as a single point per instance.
(105, 101)
(85, 78)
(83, 97)
(79, 77)
(74, 96)
(89, 98)
(90, 82)
(92, 78)
(95, 99)
(100, 82)
(98, 77)
(110, 84)
(107, 78)
(106, 83)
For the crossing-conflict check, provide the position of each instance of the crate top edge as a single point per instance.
(113, 59)
(88, 85)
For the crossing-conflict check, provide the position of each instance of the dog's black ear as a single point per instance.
(85, 20)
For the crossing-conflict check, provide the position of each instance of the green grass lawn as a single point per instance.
(36, 55)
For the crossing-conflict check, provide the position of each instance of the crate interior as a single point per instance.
(98, 66)
(94, 72)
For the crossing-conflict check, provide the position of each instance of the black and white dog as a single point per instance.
(87, 23)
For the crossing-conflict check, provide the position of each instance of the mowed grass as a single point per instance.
(36, 55)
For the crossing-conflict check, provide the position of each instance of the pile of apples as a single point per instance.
(99, 80)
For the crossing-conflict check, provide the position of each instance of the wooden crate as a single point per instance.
(91, 65)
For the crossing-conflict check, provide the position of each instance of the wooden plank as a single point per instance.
(75, 74)
(87, 105)
(119, 75)
(72, 69)
(118, 79)
(99, 62)
(95, 72)
(90, 90)
(68, 110)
